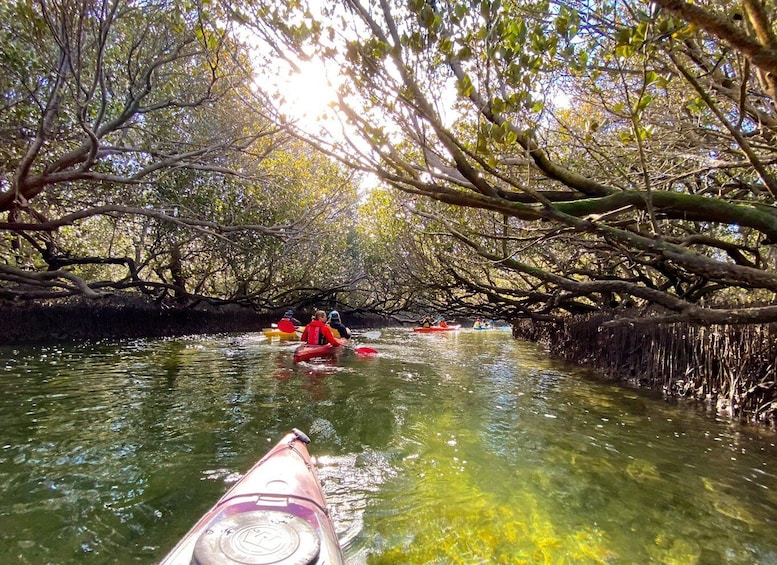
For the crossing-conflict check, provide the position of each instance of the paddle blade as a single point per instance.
(287, 326)
(365, 351)
(371, 335)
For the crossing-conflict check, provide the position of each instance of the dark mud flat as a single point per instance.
(117, 318)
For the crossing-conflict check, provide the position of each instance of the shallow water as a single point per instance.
(459, 448)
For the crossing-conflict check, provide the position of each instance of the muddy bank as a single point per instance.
(122, 317)
(118, 318)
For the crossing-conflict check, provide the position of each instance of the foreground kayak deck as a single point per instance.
(275, 514)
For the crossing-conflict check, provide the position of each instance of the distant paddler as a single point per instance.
(289, 316)
(286, 328)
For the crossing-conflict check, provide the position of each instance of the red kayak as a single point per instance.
(306, 352)
(275, 514)
(430, 329)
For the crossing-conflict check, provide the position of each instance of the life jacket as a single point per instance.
(339, 329)
(315, 334)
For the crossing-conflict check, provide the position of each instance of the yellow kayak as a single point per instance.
(278, 334)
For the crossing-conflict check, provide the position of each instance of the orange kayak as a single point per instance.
(275, 514)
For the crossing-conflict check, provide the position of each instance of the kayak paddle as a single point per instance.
(287, 326)
(364, 350)
(368, 335)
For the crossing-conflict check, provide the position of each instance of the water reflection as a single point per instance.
(468, 448)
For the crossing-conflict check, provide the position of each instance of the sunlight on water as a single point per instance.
(463, 448)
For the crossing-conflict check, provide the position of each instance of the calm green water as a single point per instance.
(466, 448)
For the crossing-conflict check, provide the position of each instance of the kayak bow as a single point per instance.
(275, 514)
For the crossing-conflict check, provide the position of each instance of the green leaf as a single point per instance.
(640, 32)
(464, 53)
(497, 134)
(645, 132)
(643, 103)
(624, 51)
(515, 72)
(464, 86)
(427, 17)
(623, 37)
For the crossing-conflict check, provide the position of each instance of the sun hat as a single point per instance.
(289, 314)
(334, 315)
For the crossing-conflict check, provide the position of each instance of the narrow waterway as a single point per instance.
(459, 448)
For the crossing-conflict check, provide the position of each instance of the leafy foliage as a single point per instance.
(616, 154)
(549, 157)
(137, 153)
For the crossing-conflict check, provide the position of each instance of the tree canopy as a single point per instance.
(535, 158)
(137, 154)
(583, 156)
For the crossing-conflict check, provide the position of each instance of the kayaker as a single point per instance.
(289, 315)
(427, 322)
(318, 333)
(334, 322)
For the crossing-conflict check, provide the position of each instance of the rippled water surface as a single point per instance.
(461, 448)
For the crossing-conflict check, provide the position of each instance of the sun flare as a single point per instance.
(308, 94)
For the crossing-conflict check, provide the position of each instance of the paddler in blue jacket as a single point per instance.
(334, 322)
(318, 333)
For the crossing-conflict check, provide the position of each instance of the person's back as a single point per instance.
(313, 334)
(341, 329)
(318, 333)
(336, 324)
